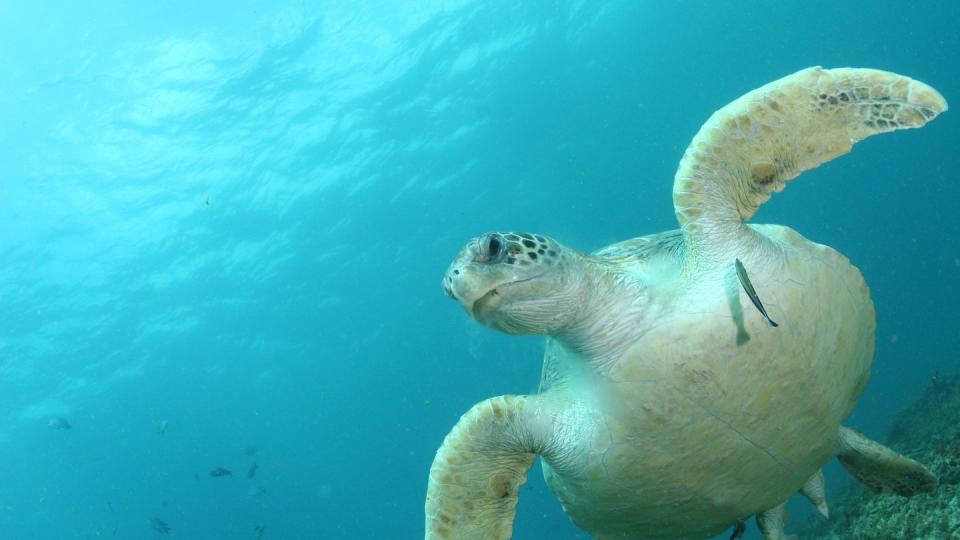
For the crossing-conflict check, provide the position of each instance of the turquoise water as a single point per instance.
(222, 232)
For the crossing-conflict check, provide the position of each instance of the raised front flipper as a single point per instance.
(880, 468)
(753, 146)
(477, 473)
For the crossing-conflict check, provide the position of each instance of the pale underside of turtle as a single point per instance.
(669, 407)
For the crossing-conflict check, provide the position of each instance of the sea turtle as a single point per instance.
(669, 406)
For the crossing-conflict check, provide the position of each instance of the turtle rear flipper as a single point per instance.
(771, 523)
(477, 473)
(880, 468)
(815, 489)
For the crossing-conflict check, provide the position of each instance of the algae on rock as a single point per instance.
(928, 431)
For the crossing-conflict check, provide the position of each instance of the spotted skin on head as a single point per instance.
(522, 250)
(514, 282)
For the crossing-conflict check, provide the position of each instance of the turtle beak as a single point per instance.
(461, 290)
(453, 283)
(472, 294)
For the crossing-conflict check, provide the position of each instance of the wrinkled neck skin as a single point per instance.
(608, 306)
(596, 309)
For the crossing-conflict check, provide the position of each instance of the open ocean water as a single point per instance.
(223, 228)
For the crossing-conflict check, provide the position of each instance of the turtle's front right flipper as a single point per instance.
(752, 147)
(477, 473)
(880, 468)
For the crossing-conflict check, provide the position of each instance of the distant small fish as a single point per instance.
(206, 200)
(256, 491)
(59, 423)
(160, 526)
(220, 471)
(250, 451)
(252, 471)
(748, 287)
(259, 531)
(162, 427)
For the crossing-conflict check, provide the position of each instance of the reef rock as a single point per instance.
(928, 431)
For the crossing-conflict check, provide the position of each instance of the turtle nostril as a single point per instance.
(456, 273)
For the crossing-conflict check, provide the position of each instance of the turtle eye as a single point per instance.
(492, 248)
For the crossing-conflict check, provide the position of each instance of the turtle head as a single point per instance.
(518, 283)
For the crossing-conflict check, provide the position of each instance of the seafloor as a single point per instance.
(928, 431)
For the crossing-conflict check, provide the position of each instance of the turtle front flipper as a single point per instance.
(749, 149)
(880, 468)
(477, 473)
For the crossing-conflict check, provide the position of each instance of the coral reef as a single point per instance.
(928, 431)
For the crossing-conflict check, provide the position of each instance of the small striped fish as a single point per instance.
(747, 286)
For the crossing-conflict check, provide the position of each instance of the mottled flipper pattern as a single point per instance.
(880, 468)
(772, 521)
(478, 471)
(753, 146)
(815, 489)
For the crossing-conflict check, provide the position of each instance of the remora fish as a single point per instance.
(748, 287)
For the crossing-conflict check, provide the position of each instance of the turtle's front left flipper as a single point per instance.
(477, 473)
(880, 468)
